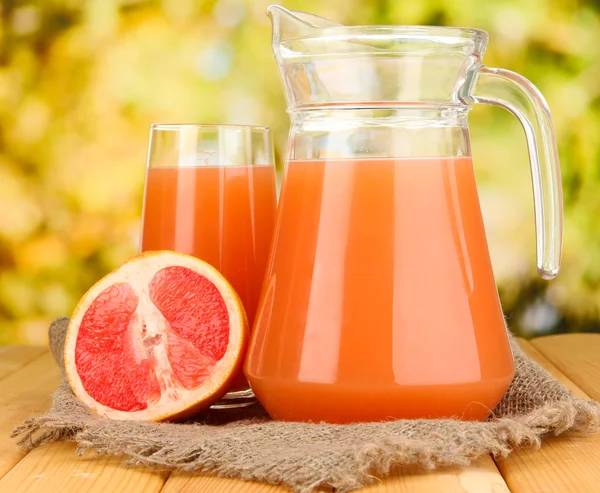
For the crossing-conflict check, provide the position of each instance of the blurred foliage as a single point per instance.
(80, 83)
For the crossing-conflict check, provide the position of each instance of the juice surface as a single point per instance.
(379, 300)
(223, 215)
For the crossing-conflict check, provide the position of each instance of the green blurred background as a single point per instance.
(81, 81)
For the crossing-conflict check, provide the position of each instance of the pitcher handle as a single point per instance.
(515, 93)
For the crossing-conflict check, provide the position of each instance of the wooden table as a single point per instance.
(28, 377)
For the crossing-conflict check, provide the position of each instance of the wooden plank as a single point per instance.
(195, 483)
(567, 464)
(14, 357)
(575, 355)
(23, 393)
(481, 476)
(56, 469)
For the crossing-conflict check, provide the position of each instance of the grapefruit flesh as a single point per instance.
(159, 338)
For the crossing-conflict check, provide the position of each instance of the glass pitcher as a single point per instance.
(379, 300)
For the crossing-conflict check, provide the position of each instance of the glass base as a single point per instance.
(240, 398)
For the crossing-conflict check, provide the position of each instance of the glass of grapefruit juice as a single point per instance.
(210, 192)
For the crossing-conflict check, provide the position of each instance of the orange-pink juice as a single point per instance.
(221, 214)
(379, 300)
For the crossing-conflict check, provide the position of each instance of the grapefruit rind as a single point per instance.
(138, 272)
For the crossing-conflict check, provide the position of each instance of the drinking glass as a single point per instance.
(210, 192)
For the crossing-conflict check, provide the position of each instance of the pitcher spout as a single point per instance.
(290, 24)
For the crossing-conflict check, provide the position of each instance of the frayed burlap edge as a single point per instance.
(303, 456)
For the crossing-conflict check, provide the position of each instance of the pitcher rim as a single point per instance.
(415, 30)
(478, 35)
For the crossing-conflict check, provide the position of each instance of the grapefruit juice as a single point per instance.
(379, 300)
(223, 215)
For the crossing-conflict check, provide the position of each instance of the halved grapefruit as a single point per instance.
(159, 338)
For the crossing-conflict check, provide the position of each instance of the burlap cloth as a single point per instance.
(246, 444)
